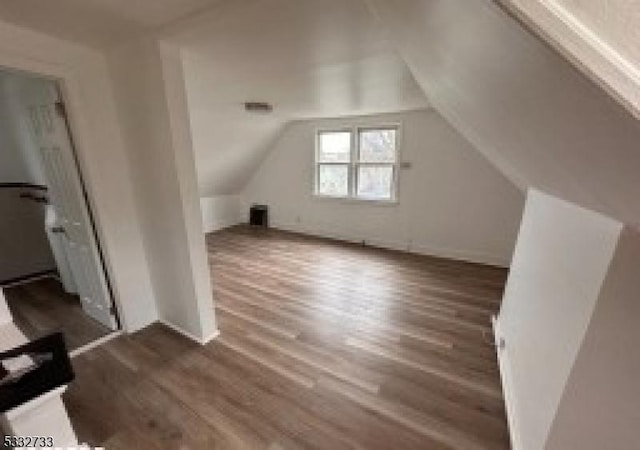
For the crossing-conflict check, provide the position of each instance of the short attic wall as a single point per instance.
(221, 211)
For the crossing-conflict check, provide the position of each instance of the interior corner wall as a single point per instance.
(561, 259)
(599, 408)
(221, 211)
(88, 92)
(184, 158)
(452, 201)
(161, 171)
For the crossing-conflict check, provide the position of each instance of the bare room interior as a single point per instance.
(285, 224)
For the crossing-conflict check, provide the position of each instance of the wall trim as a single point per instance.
(408, 247)
(74, 67)
(507, 386)
(93, 344)
(201, 341)
(602, 63)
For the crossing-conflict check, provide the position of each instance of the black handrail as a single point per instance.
(38, 187)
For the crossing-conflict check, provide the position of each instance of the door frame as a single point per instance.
(73, 68)
(74, 163)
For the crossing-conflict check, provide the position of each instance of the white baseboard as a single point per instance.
(91, 345)
(507, 387)
(420, 249)
(222, 224)
(472, 257)
(201, 341)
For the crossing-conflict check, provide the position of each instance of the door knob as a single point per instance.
(58, 230)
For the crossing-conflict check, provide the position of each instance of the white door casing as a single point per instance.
(67, 197)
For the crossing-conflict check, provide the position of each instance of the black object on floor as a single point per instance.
(50, 369)
(259, 215)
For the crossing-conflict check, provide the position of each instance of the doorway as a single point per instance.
(51, 267)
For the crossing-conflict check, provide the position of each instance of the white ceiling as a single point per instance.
(534, 115)
(308, 58)
(98, 23)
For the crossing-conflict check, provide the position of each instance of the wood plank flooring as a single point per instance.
(41, 307)
(323, 345)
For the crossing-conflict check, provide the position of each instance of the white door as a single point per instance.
(67, 197)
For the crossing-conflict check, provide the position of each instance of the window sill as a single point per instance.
(355, 200)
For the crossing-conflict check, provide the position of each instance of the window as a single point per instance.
(359, 163)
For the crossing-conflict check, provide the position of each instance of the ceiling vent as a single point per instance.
(258, 107)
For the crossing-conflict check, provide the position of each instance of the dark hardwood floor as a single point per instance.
(41, 307)
(323, 345)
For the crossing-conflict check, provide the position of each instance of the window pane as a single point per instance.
(334, 146)
(378, 145)
(333, 180)
(374, 182)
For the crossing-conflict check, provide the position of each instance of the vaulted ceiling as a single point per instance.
(309, 59)
(525, 107)
(323, 58)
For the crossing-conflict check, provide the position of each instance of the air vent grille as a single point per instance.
(258, 107)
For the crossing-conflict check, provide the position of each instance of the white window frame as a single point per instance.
(354, 163)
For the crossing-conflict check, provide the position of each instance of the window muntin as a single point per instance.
(358, 163)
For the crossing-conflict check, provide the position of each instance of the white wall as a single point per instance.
(228, 143)
(560, 261)
(345, 67)
(535, 116)
(599, 408)
(88, 92)
(221, 211)
(152, 106)
(452, 202)
(600, 37)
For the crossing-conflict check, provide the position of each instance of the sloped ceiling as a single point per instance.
(308, 58)
(602, 38)
(98, 23)
(525, 107)
(311, 58)
(536, 117)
